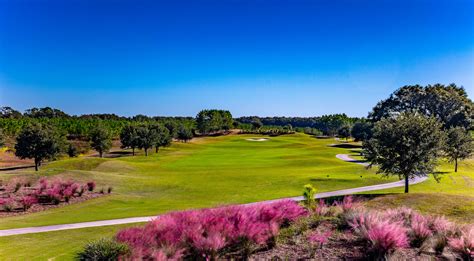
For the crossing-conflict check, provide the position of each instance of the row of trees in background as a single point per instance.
(213, 121)
(79, 127)
(327, 124)
(416, 126)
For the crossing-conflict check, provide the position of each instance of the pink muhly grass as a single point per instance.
(319, 238)
(383, 235)
(203, 233)
(386, 237)
(28, 201)
(349, 203)
(440, 225)
(464, 244)
(322, 209)
(420, 229)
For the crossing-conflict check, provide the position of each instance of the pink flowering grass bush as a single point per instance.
(463, 245)
(210, 233)
(20, 195)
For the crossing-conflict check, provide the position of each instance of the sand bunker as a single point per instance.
(257, 139)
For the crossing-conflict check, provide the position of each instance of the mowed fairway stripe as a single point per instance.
(345, 157)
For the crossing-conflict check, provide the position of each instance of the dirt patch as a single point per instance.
(8, 160)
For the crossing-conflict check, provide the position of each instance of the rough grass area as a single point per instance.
(455, 207)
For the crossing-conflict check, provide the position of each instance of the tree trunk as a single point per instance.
(133, 151)
(100, 153)
(407, 183)
(156, 149)
(456, 165)
(146, 151)
(36, 164)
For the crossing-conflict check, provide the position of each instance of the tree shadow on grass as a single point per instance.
(346, 146)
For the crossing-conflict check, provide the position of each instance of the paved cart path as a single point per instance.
(345, 157)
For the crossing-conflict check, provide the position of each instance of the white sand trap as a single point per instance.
(257, 139)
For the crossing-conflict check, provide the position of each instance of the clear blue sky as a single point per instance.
(287, 58)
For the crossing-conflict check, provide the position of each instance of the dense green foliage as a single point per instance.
(211, 121)
(449, 104)
(101, 139)
(184, 133)
(328, 124)
(102, 250)
(310, 131)
(129, 138)
(458, 145)
(80, 126)
(344, 132)
(163, 136)
(361, 131)
(407, 145)
(38, 142)
(2, 138)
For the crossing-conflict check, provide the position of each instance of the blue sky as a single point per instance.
(266, 58)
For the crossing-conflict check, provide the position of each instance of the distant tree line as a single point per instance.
(213, 121)
(327, 124)
(77, 127)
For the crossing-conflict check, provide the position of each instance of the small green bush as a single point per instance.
(308, 194)
(102, 250)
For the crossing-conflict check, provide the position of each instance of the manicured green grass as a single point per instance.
(205, 173)
(57, 245)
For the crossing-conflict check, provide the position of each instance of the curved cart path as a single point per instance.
(345, 157)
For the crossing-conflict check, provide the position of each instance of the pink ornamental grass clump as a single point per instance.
(317, 238)
(383, 235)
(419, 229)
(322, 209)
(28, 201)
(205, 233)
(464, 244)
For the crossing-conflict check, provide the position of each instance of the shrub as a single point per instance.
(322, 209)
(90, 185)
(210, 232)
(8, 204)
(28, 201)
(383, 235)
(420, 230)
(308, 194)
(464, 244)
(80, 191)
(386, 237)
(103, 249)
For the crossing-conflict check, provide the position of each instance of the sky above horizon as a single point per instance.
(265, 58)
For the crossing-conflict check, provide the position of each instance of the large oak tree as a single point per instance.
(407, 145)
